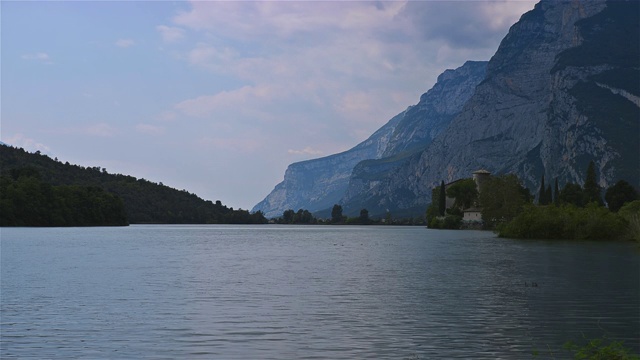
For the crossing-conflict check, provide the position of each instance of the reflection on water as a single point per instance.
(273, 292)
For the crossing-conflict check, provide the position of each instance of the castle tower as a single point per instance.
(479, 176)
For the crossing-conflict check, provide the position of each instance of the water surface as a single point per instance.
(307, 292)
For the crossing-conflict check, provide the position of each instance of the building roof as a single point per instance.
(482, 171)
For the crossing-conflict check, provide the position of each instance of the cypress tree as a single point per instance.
(548, 197)
(556, 194)
(591, 187)
(542, 198)
(442, 200)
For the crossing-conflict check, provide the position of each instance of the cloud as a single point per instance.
(244, 19)
(208, 104)
(149, 129)
(212, 58)
(170, 33)
(468, 24)
(21, 141)
(41, 57)
(306, 151)
(284, 79)
(327, 52)
(125, 43)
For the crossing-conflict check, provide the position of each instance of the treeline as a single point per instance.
(573, 212)
(144, 201)
(303, 216)
(578, 212)
(25, 200)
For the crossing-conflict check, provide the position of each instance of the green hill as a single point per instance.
(36, 190)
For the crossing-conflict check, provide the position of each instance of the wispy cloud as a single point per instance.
(41, 57)
(124, 43)
(208, 104)
(323, 54)
(170, 33)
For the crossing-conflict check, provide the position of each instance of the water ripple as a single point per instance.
(204, 292)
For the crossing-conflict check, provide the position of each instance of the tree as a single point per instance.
(556, 194)
(548, 197)
(303, 217)
(592, 190)
(542, 194)
(336, 214)
(619, 194)
(464, 192)
(502, 199)
(433, 208)
(364, 216)
(573, 194)
(287, 216)
(442, 199)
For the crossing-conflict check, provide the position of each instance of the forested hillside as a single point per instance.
(144, 201)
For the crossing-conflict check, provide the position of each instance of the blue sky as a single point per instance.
(219, 97)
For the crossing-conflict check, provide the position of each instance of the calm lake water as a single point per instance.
(325, 292)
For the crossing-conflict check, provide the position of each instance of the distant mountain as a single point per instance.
(562, 89)
(320, 183)
(144, 201)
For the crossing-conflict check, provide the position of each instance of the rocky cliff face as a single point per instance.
(320, 183)
(561, 90)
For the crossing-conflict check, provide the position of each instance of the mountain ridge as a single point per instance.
(524, 118)
(318, 184)
(562, 89)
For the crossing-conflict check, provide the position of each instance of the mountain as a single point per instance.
(33, 186)
(562, 89)
(318, 184)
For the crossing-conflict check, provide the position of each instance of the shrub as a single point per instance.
(631, 213)
(451, 222)
(566, 222)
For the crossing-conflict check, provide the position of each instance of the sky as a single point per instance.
(219, 97)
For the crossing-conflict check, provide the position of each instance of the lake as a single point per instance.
(307, 292)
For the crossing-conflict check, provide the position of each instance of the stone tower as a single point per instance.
(480, 176)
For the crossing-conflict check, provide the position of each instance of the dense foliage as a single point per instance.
(464, 192)
(336, 214)
(619, 194)
(579, 213)
(591, 188)
(144, 201)
(576, 213)
(300, 217)
(502, 198)
(592, 349)
(25, 200)
(631, 213)
(592, 222)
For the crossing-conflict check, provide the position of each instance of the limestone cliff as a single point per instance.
(318, 184)
(562, 89)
